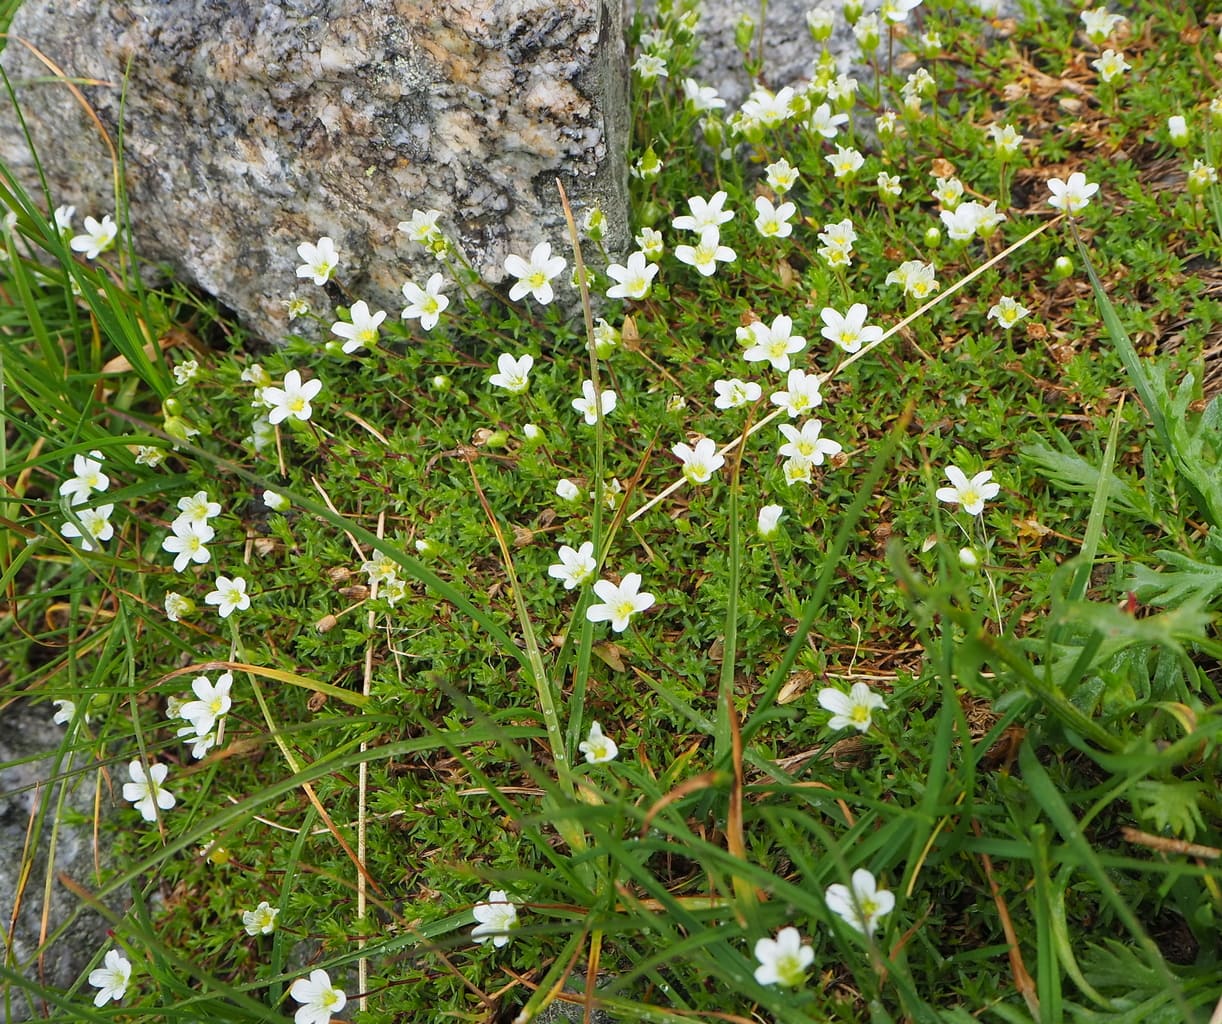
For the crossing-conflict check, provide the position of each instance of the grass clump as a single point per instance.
(857, 660)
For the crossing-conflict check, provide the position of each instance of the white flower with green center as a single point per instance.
(99, 237)
(535, 275)
(797, 471)
(805, 443)
(212, 701)
(380, 569)
(846, 162)
(734, 393)
(767, 108)
(948, 192)
(145, 789)
(889, 186)
(319, 998)
(197, 508)
(898, 10)
(781, 176)
(188, 542)
(261, 920)
(1006, 139)
(969, 494)
(512, 374)
(425, 304)
(576, 566)
(1098, 23)
(97, 526)
(774, 344)
(598, 748)
(1007, 312)
(840, 235)
(701, 98)
(707, 253)
(111, 979)
(422, 227)
(321, 260)
(699, 462)
(1111, 65)
(852, 710)
(362, 330)
(849, 330)
(705, 213)
(916, 278)
(589, 407)
(783, 960)
(292, 400)
(633, 279)
(497, 918)
(620, 601)
(773, 221)
(229, 596)
(1201, 176)
(651, 243)
(861, 905)
(802, 393)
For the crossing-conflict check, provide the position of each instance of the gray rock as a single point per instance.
(29, 745)
(250, 126)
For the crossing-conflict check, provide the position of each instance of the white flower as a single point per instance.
(774, 344)
(700, 462)
(148, 455)
(512, 374)
(261, 920)
(586, 404)
(362, 331)
(87, 478)
(707, 253)
(898, 10)
(422, 227)
(276, 502)
(425, 304)
(971, 494)
(701, 97)
(849, 331)
(99, 236)
(733, 393)
(802, 395)
(797, 471)
(948, 192)
(781, 176)
(851, 710)
(184, 371)
(598, 749)
(805, 443)
(1073, 195)
(212, 701)
(1110, 65)
(497, 918)
(651, 243)
(1006, 138)
(566, 490)
(705, 213)
(201, 743)
(188, 543)
(1177, 130)
(961, 222)
(176, 606)
(145, 790)
(649, 66)
(1098, 23)
(606, 338)
(783, 960)
(63, 219)
(321, 259)
(535, 276)
(620, 602)
(861, 906)
(889, 186)
(916, 278)
(845, 161)
(198, 509)
(229, 596)
(319, 998)
(1007, 312)
(824, 123)
(769, 520)
(575, 566)
(97, 524)
(380, 569)
(111, 979)
(293, 399)
(773, 221)
(766, 108)
(633, 279)
(64, 712)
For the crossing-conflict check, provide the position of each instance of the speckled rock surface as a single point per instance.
(29, 742)
(253, 125)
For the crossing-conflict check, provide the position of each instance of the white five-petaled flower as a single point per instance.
(707, 253)
(261, 920)
(497, 918)
(823, 122)
(422, 227)
(111, 979)
(773, 221)
(1006, 138)
(861, 905)
(229, 596)
(703, 98)
(597, 748)
(535, 275)
(733, 393)
(705, 213)
(620, 602)
(1007, 312)
(802, 394)
(774, 344)
(805, 443)
(575, 566)
(849, 330)
(188, 542)
(916, 278)
(97, 524)
(1073, 195)
(633, 279)
(146, 789)
(362, 330)
(783, 960)
(197, 508)
(1110, 64)
(99, 236)
(318, 997)
(845, 162)
(425, 304)
(87, 477)
(587, 406)
(212, 701)
(852, 710)
(321, 259)
(291, 400)
(781, 176)
(1098, 23)
(512, 374)
(970, 494)
(699, 462)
